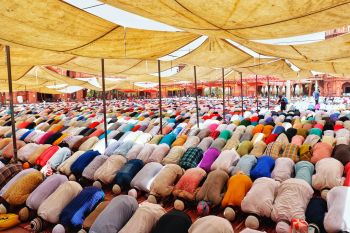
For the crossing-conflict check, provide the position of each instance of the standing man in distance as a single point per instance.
(317, 95)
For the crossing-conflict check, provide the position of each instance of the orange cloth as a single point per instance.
(237, 188)
(56, 129)
(268, 130)
(258, 129)
(298, 125)
(179, 141)
(59, 140)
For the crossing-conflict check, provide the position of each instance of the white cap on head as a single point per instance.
(252, 222)
(133, 193)
(97, 184)
(324, 194)
(72, 178)
(179, 205)
(3, 209)
(152, 199)
(58, 229)
(229, 214)
(116, 189)
(282, 227)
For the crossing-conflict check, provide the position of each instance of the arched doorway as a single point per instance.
(346, 88)
(312, 88)
(304, 89)
(294, 89)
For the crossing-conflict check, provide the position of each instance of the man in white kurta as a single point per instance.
(258, 203)
(329, 174)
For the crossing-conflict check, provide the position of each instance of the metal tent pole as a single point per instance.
(25, 91)
(9, 74)
(195, 83)
(256, 86)
(241, 90)
(268, 94)
(234, 89)
(104, 100)
(160, 99)
(223, 92)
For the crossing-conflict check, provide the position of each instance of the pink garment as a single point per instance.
(258, 202)
(337, 218)
(320, 151)
(329, 173)
(44, 137)
(299, 140)
(213, 127)
(293, 196)
(187, 187)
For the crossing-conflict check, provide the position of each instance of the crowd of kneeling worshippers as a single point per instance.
(291, 165)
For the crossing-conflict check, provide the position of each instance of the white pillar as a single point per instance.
(288, 90)
(316, 85)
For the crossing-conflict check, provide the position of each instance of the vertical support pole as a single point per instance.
(268, 93)
(242, 91)
(316, 85)
(104, 100)
(9, 75)
(223, 93)
(160, 99)
(234, 89)
(288, 90)
(256, 87)
(195, 84)
(25, 91)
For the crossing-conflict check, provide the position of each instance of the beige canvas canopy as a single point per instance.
(250, 20)
(57, 34)
(215, 53)
(59, 27)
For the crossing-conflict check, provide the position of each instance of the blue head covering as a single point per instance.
(74, 214)
(263, 168)
(304, 171)
(79, 165)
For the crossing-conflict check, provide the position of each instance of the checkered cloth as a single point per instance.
(273, 149)
(214, 134)
(291, 151)
(191, 158)
(8, 172)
